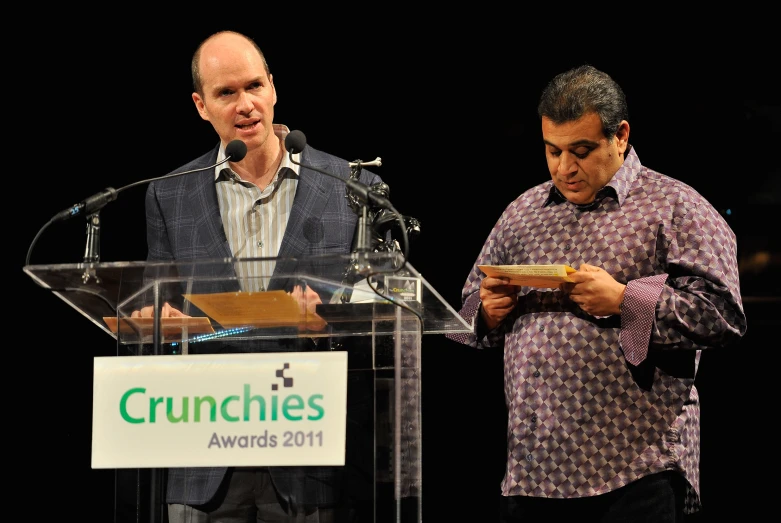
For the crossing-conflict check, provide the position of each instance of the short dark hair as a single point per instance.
(582, 90)
(195, 69)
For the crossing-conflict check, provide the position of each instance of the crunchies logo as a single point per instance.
(137, 405)
(286, 382)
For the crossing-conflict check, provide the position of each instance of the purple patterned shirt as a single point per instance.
(597, 402)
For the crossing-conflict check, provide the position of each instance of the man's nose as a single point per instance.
(567, 164)
(244, 104)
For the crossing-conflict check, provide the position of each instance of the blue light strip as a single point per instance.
(219, 334)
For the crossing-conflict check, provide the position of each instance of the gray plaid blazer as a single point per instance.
(184, 224)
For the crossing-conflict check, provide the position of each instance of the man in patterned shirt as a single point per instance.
(603, 416)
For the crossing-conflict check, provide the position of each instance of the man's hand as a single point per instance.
(498, 298)
(595, 291)
(166, 312)
(307, 303)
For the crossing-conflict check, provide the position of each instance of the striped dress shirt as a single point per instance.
(255, 220)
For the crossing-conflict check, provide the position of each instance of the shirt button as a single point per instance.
(542, 328)
(566, 247)
(528, 457)
(536, 374)
(534, 418)
(260, 244)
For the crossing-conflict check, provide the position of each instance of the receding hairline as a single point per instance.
(195, 67)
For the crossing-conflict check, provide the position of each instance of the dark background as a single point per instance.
(451, 110)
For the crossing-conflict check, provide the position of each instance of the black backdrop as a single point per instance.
(451, 111)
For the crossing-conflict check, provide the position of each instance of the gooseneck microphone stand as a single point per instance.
(92, 249)
(364, 240)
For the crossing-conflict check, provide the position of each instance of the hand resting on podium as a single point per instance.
(307, 300)
(305, 296)
(168, 311)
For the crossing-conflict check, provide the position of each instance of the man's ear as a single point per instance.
(200, 106)
(622, 136)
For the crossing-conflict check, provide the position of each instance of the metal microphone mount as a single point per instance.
(376, 224)
(365, 238)
(92, 249)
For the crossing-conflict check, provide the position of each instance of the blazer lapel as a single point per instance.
(211, 234)
(310, 200)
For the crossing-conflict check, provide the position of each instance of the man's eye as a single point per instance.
(581, 153)
(226, 92)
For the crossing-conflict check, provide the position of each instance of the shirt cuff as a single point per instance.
(469, 313)
(637, 316)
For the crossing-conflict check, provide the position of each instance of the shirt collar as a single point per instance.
(281, 131)
(626, 175)
(617, 188)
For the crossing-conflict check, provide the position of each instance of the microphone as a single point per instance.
(295, 141)
(235, 151)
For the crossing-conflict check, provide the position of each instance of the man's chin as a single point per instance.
(578, 198)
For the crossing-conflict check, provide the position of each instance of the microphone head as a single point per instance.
(236, 150)
(295, 142)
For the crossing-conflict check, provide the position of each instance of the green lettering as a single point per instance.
(249, 399)
(316, 406)
(292, 402)
(169, 410)
(224, 409)
(123, 405)
(208, 400)
(153, 403)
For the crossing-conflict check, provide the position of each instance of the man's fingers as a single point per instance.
(490, 283)
(175, 313)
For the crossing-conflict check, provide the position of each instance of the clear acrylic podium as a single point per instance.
(373, 305)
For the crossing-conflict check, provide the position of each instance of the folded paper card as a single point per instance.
(542, 276)
(256, 309)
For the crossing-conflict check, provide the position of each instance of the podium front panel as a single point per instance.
(370, 305)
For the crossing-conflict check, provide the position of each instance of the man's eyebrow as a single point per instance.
(257, 79)
(577, 143)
